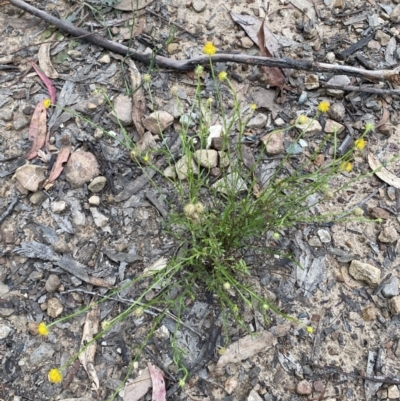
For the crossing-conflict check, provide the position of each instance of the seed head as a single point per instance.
(147, 78)
(222, 76)
(226, 286)
(369, 127)
(358, 211)
(199, 70)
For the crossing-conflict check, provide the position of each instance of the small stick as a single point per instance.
(365, 89)
(190, 64)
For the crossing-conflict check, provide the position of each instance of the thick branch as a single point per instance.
(190, 64)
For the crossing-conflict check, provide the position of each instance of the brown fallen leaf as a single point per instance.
(382, 172)
(90, 329)
(269, 48)
(37, 130)
(59, 163)
(385, 115)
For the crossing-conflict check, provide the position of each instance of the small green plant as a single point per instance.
(216, 221)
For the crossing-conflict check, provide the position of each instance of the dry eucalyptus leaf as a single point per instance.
(382, 172)
(45, 61)
(157, 379)
(139, 387)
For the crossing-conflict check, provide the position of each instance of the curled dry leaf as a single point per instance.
(138, 99)
(45, 61)
(382, 172)
(90, 329)
(49, 85)
(59, 164)
(37, 130)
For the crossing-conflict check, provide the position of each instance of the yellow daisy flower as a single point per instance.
(346, 166)
(360, 143)
(222, 76)
(55, 376)
(209, 49)
(43, 330)
(324, 106)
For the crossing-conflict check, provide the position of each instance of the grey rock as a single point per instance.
(365, 272)
(337, 111)
(314, 241)
(38, 198)
(388, 235)
(4, 331)
(61, 246)
(382, 37)
(199, 5)
(20, 122)
(232, 182)
(122, 110)
(183, 167)
(324, 236)
(294, 149)
(174, 107)
(391, 289)
(52, 283)
(97, 184)
(30, 176)
(206, 157)
(274, 142)
(54, 307)
(41, 354)
(6, 115)
(94, 200)
(258, 121)
(158, 121)
(332, 127)
(82, 167)
(310, 128)
(58, 206)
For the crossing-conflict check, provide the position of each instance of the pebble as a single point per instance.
(254, 396)
(4, 331)
(373, 105)
(330, 57)
(369, 313)
(52, 283)
(60, 246)
(314, 241)
(4, 289)
(81, 167)
(393, 392)
(388, 235)
(324, 236)
(170, 172)
(391, 193)
(94, 200)
(374, 45)
(394, 305)
(37, 198)
(332, 126)
(106, 59)
(246, 42)
(279, 122)
(173, 48)
(303, 388)
(337, 111)
(54, 307)
(340, 80)
(158, 121)
(58, 206)
(215, 132)
(206, 157)
(20, 122)
(30, 176)
(199, 5)
(182, 168)
(382, 37)
(98, 184)
(223, 159)
(365, 272)
(258, 121)
(311, 81)
(391, 289)
(310, 129)
(35, 275)
(122, 110)
(41, 354)
(274, 143)
(379, 213)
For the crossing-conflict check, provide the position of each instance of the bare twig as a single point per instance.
(365, 89)
(190, 64)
